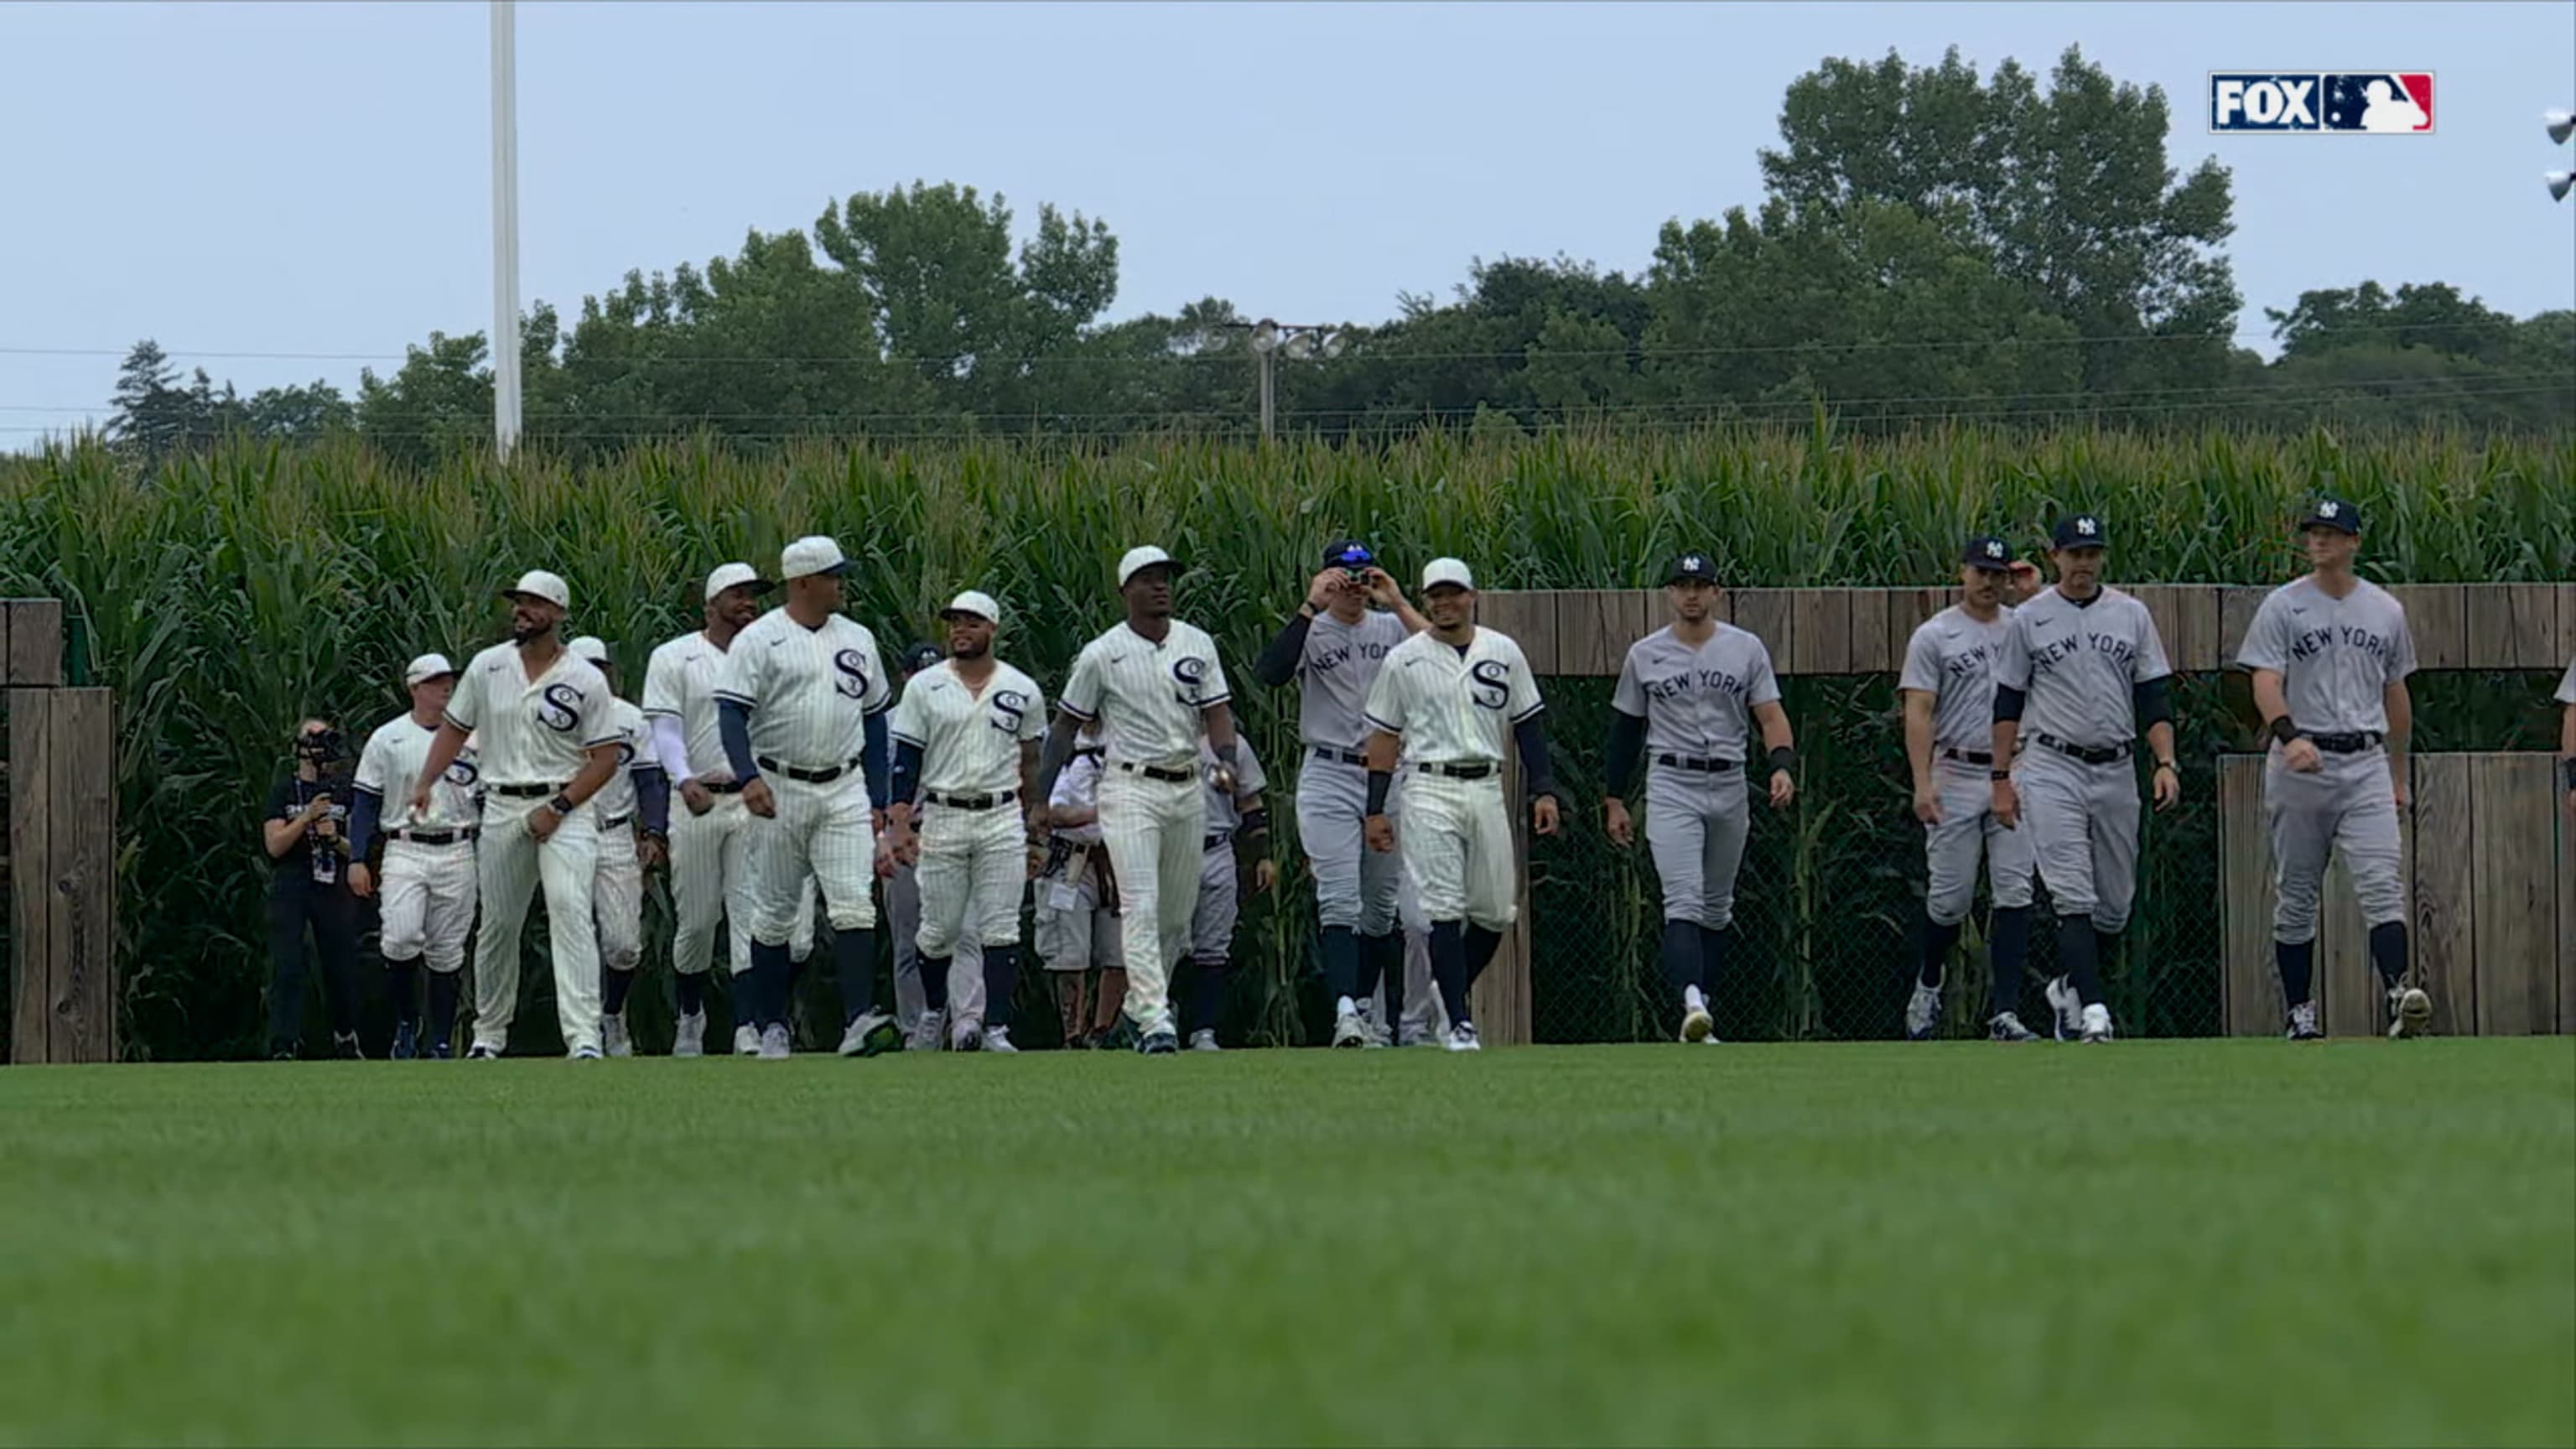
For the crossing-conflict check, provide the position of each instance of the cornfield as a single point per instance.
(231, 594)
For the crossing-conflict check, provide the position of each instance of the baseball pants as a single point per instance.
(1968, 830)
(617, 895)
(1457, 848)
(1695, 827)
(967, 889)
(2083, 826)
(1154, 829)
(1076, 932)
(965, 969)
(1423, 1012)
(1212, 919)
(711, 882)
(1355, 887)
(824, 832)
(425, 903)
(2347, 808)
(509, 867)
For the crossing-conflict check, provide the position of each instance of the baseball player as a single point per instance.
(1154, 683)
(2083, 669)
(1238, 824)
(920, 1030)
(1442, 699)
(708, 842)
(1948, 688)
(966, 744)
(427, 909)
(637, 799)
(801, 705)
(2330, 653)
(1691, 694)
(1077, 915)
(547, 742)
(1333, 646)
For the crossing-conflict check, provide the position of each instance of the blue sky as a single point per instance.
(312, 178)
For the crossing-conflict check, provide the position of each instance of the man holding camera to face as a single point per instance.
(309, 887)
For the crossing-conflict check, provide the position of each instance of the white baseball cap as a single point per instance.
(427, 667)
(590, 649)
(1446, 571)
(734, 576)
(539, 584)
(814, 554)
(977, 603)
(1138, 560)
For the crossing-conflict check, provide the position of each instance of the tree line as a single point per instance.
(1932, 245)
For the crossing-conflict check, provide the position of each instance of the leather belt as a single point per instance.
(1476, 770)
(2089, 754)
(524, 792)
(614, 821)
(1342, 757)
(1157, 772)
(1705, 767)
(436, 837)
(805, 776)
(2347, 744)
(721, 787)
(970, 802)
(1970, 757)
(1213, 841)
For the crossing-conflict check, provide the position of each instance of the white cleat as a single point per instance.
(613, 1037)
(854, 1037)
(689, 1036)
(1462, 1038)
(1204, 1040)
(583, 1053)
(483, 1052)
(1350, 1031)
(998, 1039)
(2069, 1007)
(1922, 1012)
(746, 1041)
(967, 1037)
(2007, 1027)
(2410, 1013)
(773, 1045)
(926, 1031)
(1697, 1025)
(2303, 1023)
(2097, 1022)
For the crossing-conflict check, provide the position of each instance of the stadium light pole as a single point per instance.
(1300, 340)
(505, 227)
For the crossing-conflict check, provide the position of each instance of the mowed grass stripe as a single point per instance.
(2211, 1242)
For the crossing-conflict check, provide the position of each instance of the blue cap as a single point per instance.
(1691, 566)
(1349, 553)
(2080, 530)
(2332, 513)
(1985, 551)
(920, 655)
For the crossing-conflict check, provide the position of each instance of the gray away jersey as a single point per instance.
(2078, 665)
(2336, 657)
(1696, 702)
(1952, 658)
(1340, 663)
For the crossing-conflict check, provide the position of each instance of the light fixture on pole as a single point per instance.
(2562, 124)
(1301, 341)
(505, 227)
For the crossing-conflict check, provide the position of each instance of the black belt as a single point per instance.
(2351, 744)
(437, 837)
(809, 777)
(721, 787)
(971, 802)
(1972, 757)
(613, 821)
(1213, 841)
(2089, 754)
(524, 792)
(1476, 771)
(1345, 757)
(1705, 767)
(1157, 772)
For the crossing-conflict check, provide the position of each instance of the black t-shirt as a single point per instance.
(287, 801)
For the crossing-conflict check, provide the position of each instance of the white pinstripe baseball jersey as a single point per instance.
(533, 731)
(1147, 696)
(390, 761)
(680, 681)
(970, 743)
(1453, 706)
(809, 690)
(634, 742)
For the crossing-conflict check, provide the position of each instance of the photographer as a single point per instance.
(309, 885)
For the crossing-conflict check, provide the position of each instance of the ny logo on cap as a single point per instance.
(2086, 527)
(1994, 549)
(1693, 562)
(2329, 509)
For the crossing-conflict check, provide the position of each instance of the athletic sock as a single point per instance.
(1685, 966)
(1712, 957)
(1449, 967)
(1207, 996)
(405, 986)
(2388, 953)
(741, 990)
(934, 981)
(1938, 939)
(2106, 948)
(2076, 945)
(766, 994)
(854, 959)
(444, 989)
(1694, 999)
(1381, 956)
(1340, 948)
(1001, 979)
(692, 989)
(2009, 950)
(2298, 963)
(612, 991)
(1481, 946)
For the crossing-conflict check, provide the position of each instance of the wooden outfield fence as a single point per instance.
(62, 847)
(2491, 861)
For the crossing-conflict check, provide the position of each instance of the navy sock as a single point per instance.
(1381, 959)
(2106, 948)
(2388, 952)
(692, 989)
(741, 993)
(771, 982)
(1684, 965)
(612, 991)
(1001, 978)
(1937, 941)
(2298, 963)
(1207, 995)
(444, 988)
(2076, 945)
(1712, 957)
(934, 981)
(1481, 946)
(854, 960)
(2009, 952)
(1449, 967)
(405, 986)
(1341, 949)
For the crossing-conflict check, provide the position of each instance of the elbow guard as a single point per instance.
(2008, 703)
(2154, 701)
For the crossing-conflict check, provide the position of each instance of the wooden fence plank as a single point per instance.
(2251, 988)
(2350, 998)
(2513, 626)
(1647, 612)
(1869, 654)
(2566, 624)
(83, 843)
(1592, 632)
(2165, 606)
(2193, 646)
(31, 776)
(2516, 901)
(1536, 611)
(2236, 606)
(1764, 614)
(2445, 937)
(1820, 631)
(1905, 614)
(35, 642)
(1500, 999)
(2438, 616)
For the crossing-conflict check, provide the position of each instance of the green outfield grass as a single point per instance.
(2159, 1242)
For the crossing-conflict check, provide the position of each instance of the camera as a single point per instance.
(319, 745)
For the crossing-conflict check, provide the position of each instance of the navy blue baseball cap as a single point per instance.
(2080, 530)
(1985, 551)
(1349, 553)
(919, 655)
(1691, 566)
(2332, 513)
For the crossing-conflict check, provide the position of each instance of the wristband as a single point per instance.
(1783, 758)
(2169, 765)
(561, 805)
(1379, 782)
(2282, 730)
(2005, 775)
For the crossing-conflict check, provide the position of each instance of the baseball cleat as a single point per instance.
(2410, 1013)
(1697, 1025)
(1157, 1044)
(926, 1031)
(2068, 1006)
(854, 1037)
(689, 1036)
(441, 1051)
(406, 1041)
(583, 1053)
(1922, 1012)
(1462, 1037)
(2303, 1023)
(746, 1041)
(1349, 1030)
(2007, 1027)
(967, 1037)
(2097, 1023)
(1204, 1040)
(613, 1037)
(998, 1039)
(479, 1052)
(344, 1045)
(773, 1045)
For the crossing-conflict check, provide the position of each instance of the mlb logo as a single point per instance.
(2368, 102)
